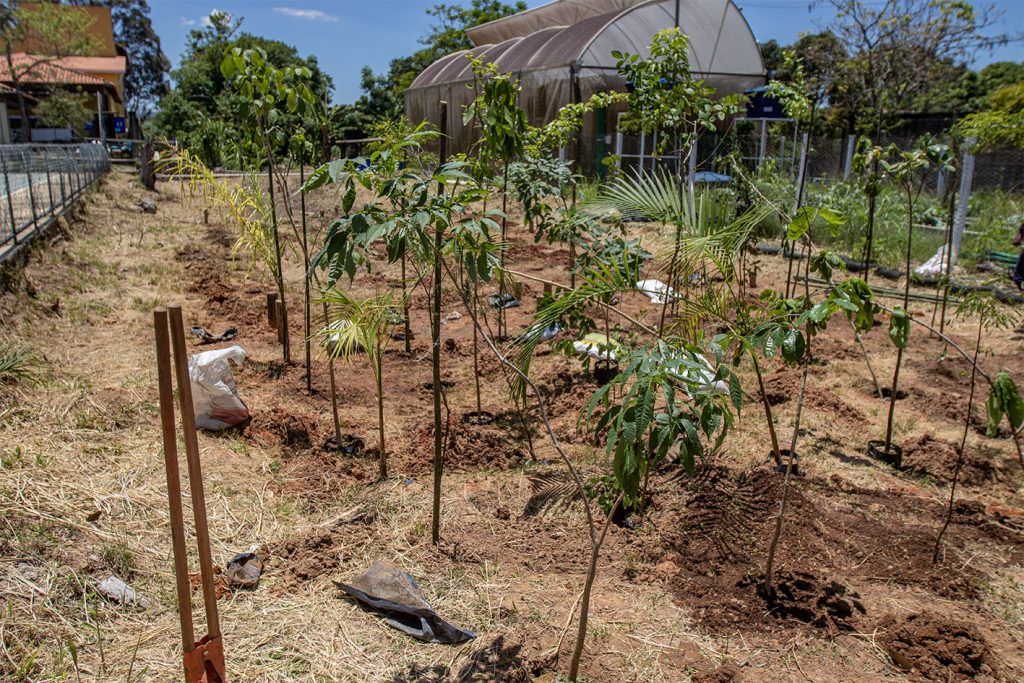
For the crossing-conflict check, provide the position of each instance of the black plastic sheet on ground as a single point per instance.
(396, 595)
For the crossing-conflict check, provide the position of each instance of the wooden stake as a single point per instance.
(195, 470)
(272, 309)
(168, 428)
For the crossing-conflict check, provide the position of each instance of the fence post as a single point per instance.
(31, 192)
(966, 180)
(49, 184)
(763, 146)
(10, 196)
(61, 172)
(851, 142)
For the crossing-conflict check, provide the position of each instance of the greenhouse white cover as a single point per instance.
(561, 52)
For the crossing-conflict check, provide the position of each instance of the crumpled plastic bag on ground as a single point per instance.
(657, 291)
(396, 595)
(596, 346)
(117, 591)
(214, 395)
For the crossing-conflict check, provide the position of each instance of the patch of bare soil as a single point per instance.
(500, 445)
(275, 426)
(722, 674)
(318, 553)
(933, 648)
(207, 267)
(784, 386)
(806, 598)
(715, 532)
(936, 458)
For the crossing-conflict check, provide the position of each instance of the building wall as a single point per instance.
(101, 28)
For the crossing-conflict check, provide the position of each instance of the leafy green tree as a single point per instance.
(361, 327)
(50, 32)
(65, 108)
(899, 49)
(148, 66)
(202, 110)
(983, 306)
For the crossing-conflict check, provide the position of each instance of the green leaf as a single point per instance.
(735, 392)
(832, 216)
(800, 224)
(899, 328)
(227, 67)
(349, 199)
(793, 346)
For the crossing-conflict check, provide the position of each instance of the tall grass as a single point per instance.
(18, 364)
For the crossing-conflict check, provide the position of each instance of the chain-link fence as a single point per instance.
(39, 182)
(778, 146)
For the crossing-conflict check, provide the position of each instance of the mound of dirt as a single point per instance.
(714, 536)
(784, 386)
(277, 427)
(932, 648)
(805, 597)
(936, 458)
(500, 445)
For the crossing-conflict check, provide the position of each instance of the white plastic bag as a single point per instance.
(214, 395)
(657, 291)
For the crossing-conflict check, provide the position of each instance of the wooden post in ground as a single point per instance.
(272, 309)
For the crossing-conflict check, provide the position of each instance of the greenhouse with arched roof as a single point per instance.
(561, 53)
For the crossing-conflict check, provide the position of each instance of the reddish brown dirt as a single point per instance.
(715, 534)
(784, 386)
(936, 458)
(318, 554)
(500, 445)
(706, 537)
(932, 648)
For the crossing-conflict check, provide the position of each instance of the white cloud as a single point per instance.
(185, 21)
(205, 21)
(311, 14)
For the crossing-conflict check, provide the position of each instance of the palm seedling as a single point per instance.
(361, 326)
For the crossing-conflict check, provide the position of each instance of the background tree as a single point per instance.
(148, 67)
(48, 33)
(65, 108)
(383, 94)
(201, 87)
(899, 49)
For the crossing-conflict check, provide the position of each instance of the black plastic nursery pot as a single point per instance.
(605, 371)
(482, 417)
(892, 457)
(781, 469)
(350, 445)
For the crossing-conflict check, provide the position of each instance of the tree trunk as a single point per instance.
(502, 327)
(305, 278)
(405, 309)
(892, 401)
(963, 446)
(279, 275)
(581, 633)
(26, 123)
(378, 378)
(776, 453)
(435, 339)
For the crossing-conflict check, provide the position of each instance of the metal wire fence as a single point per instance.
(828, 159)
(38, 183)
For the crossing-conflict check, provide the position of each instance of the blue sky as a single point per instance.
(346, 34)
